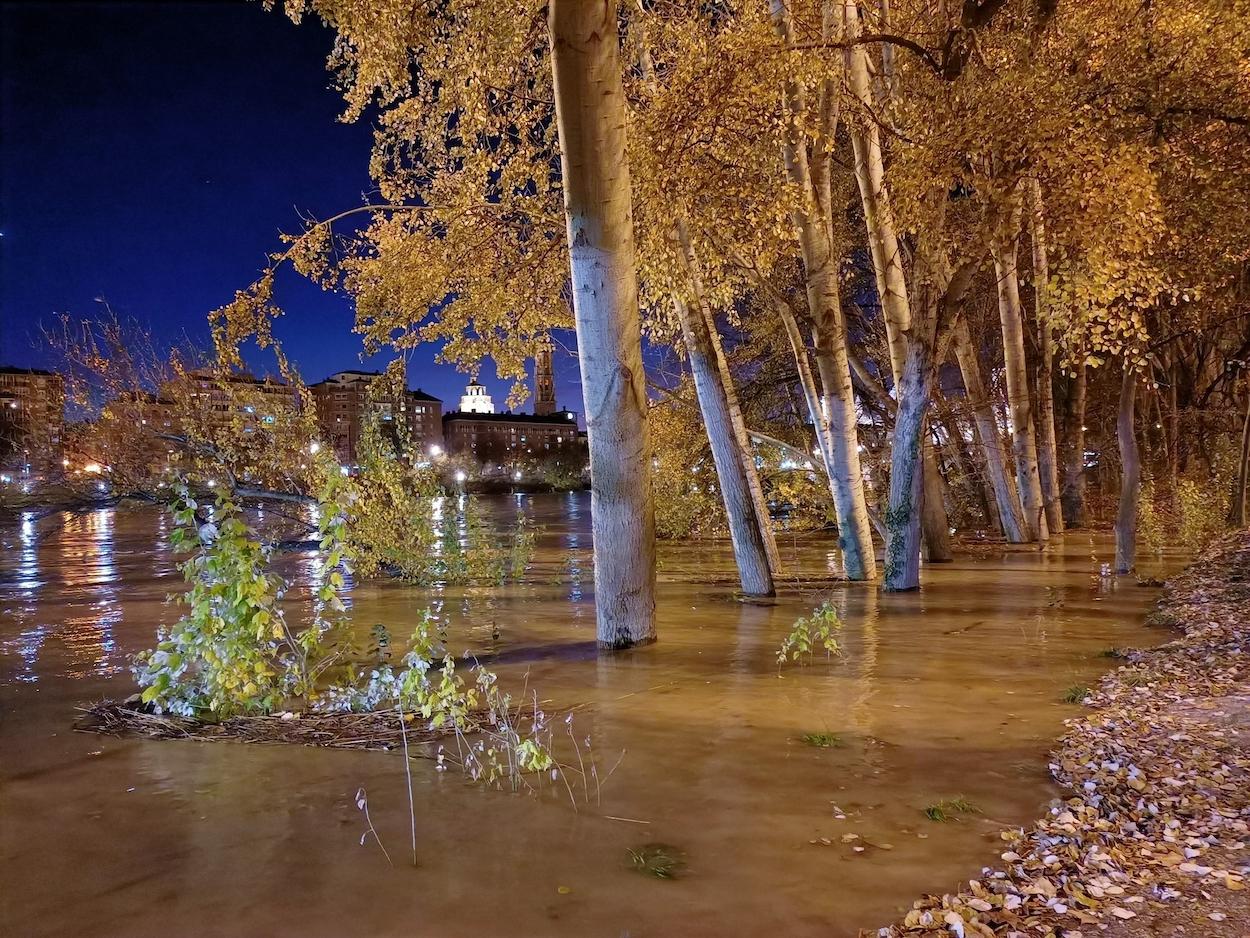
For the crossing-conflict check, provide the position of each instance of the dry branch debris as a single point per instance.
(376, 729)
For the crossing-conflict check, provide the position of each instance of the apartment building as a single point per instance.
(343, 404)
(32, 419)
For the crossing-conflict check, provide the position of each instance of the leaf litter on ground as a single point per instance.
(1154, 828)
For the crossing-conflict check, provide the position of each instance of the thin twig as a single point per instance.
(412, 814)
(362, 802)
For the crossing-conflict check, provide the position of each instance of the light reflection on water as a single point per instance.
(27, 646)
(75, 554)
(951, 691)
(28, 559)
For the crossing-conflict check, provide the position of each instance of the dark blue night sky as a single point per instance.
(151, 152)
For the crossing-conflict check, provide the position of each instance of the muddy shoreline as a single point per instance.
(1151, 837)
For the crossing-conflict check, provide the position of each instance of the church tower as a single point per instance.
(544, 381)
(475, 400)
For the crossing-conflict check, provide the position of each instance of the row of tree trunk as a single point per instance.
(920, 326)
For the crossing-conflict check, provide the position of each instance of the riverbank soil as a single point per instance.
(1153, 836)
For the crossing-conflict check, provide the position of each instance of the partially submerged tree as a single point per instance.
(590, 112)
(970, 137)
(465, 158)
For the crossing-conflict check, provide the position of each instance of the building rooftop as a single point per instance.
(352, 373)
(560, 417)
(236, 377)
(14, 370)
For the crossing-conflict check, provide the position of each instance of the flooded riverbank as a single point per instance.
(955, 691)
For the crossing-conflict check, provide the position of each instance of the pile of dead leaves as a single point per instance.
(1158, 782)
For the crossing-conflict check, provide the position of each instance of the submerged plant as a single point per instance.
(949, 809)
(663, 861)
(231, 652)
(1187, 516)
(810, 633)
(821, 740)
(1075, 694)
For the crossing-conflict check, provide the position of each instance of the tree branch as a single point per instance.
(902, 42)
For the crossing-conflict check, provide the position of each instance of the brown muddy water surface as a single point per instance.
(954, 691)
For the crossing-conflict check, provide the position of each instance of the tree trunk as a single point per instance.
(764, 521)
(811, 393)
(934, 521)
(902, 517)
(754, 571)
(1006, 498)
(829, 333)
(1047, 447)
(887, 265)
(1174, 422)
(590, 117)
(716, 355)
(1130, 475)
(1074, 465)
(1023, 439)
(840, 451)
(846, 476)
(1239, 516)
(887, 258)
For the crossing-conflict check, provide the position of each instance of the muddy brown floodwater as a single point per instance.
(955, 691)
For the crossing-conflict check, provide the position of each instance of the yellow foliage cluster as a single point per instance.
(466, 248)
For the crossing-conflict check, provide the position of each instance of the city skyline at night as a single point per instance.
(153, 155)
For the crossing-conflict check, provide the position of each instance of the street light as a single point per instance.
(435, 449)
(460, 476)
(314, 447)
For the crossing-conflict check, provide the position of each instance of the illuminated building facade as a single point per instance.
(342, 402)
(32, 419)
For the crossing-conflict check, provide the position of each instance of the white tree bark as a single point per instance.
(754, 571)
(887, 264)
(1130, 475)
(1011, 515)
(1023, 437)
(763, 519)
(846, 474)
(820, 263)
(1047, 447)
(590, 116)
(887, 258)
